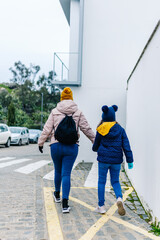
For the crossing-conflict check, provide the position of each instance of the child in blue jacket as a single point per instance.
(110, 143)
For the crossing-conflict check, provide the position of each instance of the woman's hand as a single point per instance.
(41, 149)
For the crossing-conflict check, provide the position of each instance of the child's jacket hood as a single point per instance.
(105, 127)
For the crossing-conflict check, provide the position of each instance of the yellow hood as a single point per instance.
(105, 127)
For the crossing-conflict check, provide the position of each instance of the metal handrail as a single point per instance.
(63, 66)
(61, 61)
(66, 52)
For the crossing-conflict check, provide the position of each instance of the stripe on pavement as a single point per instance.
(92, 179)
(135, 228)
(82, 203)
(91, 232)
(49, 176)
(32, 167)
(6, 158)
(6, 164)
(54, 227)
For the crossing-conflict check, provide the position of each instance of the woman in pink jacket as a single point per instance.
(64, 155)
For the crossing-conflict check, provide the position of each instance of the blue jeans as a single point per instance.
(63, 157)
(114, 174)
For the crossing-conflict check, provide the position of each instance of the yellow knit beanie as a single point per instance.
(66, 94)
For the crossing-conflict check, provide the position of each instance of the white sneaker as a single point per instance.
(120, 205)
(66, 210)
(100, 209)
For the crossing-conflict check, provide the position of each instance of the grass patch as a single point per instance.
(50, 164)
(7, 88)
(155, 228)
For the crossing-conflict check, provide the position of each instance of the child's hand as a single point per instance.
(130, 165)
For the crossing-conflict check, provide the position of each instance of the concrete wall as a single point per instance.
(143, 128)
(114, 35)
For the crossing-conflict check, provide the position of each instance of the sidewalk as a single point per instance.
(27, 210)
(82, 223)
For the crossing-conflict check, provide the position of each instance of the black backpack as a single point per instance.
(66, 132)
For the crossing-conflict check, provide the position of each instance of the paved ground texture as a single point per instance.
(27, 210)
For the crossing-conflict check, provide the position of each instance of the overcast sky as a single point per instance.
(31, 31)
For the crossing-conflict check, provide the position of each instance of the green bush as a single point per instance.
(11, 115)
(22, 119)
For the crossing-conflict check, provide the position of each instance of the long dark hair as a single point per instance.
(100, 123)
(103, 122)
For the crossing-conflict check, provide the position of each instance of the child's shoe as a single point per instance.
(56, 196)
(120, 205)
(65, 207)
(101, 209)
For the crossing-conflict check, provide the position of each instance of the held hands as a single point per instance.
(130, 165)
(41, 149)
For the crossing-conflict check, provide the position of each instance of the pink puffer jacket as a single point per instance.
(65, 107)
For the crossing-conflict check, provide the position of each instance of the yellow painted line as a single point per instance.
(85, 187)
(92, 208)
(97, 187)
(113, 209)
(95, 228)
(82, 203)
(99, 224)
(54, 228)
(124, 187)
(135, 228)
(125, 195)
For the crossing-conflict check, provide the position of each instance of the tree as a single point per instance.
(22, 119)
(21, 73)
(25, 78)
(5, 98)
(47, 82)
(11, 115)
(25, 95)
(1, 113)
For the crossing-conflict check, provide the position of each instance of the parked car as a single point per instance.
(19, 135)
(5, 135)
(27, 134)
(34, 134)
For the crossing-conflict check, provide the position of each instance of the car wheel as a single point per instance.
(36, 140)
(8, 143)
(27, 143)
(20, 142)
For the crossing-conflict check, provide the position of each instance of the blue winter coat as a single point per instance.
(110, 147)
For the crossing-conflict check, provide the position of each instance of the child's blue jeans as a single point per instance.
(114, 174)
(63, 157)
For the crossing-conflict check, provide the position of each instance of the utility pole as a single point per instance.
(41, 111)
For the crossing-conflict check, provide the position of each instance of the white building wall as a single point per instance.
(143, 128)
(74, 39)
(114, 34)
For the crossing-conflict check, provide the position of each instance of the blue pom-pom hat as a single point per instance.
(108, 114)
